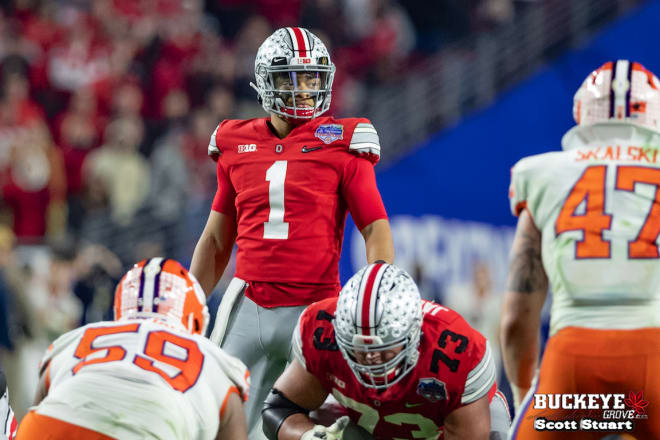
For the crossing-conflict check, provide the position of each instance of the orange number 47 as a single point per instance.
(590, 189)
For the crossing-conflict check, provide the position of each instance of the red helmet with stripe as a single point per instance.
(293, 75)
(379, 309)
(163, 289)
(619, 91)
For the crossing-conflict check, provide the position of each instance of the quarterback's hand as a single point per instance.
(332, 432)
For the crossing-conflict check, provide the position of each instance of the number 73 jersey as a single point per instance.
(597, 205)
(290, 196)
(138, 378)
(455, 368)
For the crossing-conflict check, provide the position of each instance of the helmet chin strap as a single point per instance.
(289, 118)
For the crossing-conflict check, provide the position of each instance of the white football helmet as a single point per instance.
(162, 289)
(622, 91)
(379, 309)
(281, 59)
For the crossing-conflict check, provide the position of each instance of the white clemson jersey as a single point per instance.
(139, 378)
(9, 425)
(597, 204)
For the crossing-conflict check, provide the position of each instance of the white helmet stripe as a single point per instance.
(620, 92)
(294, 40)
(292, 36)
(367, 299)
(149, 282)
(306, 39)
(630, 69)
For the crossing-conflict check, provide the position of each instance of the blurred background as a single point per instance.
(107, 106)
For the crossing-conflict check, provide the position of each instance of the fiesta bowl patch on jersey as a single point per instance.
(329, 133)
(432, 389)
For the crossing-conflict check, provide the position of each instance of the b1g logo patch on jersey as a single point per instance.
(247, 148)
(329, 133)
(432, 389)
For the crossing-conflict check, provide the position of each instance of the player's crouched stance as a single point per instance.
(400, 366)
(148, 374)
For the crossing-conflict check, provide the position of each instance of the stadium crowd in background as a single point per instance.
(106, 108)
(89, 88)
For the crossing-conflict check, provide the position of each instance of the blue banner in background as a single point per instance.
(443, 253)
(448, 199)
(451, 192)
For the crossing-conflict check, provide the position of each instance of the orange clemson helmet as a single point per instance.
(621, 90)
(163, 289)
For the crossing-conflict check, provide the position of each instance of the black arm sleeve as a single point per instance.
(276, 409)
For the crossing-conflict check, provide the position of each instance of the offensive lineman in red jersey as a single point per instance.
(285, 185)
(402, 367)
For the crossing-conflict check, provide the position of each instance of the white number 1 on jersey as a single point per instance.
(276, 228)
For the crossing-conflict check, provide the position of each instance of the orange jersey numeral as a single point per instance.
(644, 245)
(589, 188)
(189, 365)
(86, 345)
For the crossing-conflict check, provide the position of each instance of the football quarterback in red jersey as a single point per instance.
(402, 367)
(285, 186)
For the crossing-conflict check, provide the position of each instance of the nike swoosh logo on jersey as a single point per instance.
(412, 405)
(307, 149)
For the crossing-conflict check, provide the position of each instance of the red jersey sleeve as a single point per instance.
(456, 354)
(361, 193)
(314, 336)
(225, 195)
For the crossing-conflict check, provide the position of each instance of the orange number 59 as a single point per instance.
(189, 366)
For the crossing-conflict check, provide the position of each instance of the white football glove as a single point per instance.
(332, 432)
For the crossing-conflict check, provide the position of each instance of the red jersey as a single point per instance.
(290, 198)
(455, 367)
